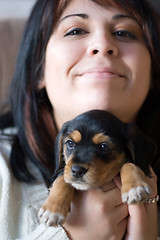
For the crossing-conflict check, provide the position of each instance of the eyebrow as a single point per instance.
(85, 16)
(119, 16)
(81, 15)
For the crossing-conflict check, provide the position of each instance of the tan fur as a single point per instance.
(67, 170)
(75, 136)
(60, 197)
(132, 176)
(100, 138)
(60, 143)
(99, 172)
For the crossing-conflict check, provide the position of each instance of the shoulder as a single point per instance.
(6, 140)
(5, 151)
(26, 199)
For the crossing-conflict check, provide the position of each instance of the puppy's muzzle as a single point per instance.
(78, 171)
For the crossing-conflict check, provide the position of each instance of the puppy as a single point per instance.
(90, 151)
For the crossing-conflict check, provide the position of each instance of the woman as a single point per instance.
(76, 56)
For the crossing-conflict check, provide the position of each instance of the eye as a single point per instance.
(76, 32)
(70, 144)
(104, 147)
(124, 35)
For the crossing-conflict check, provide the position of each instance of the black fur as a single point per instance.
(139, 148)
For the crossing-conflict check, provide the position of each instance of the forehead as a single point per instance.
(76, 6)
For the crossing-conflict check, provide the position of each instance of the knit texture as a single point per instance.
(20, 203)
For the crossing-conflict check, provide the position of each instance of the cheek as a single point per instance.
(58, 76)
(140, 64)
(55, 71)
(62, 54)
(143, 68)
(143, 77)
(52, 64)
(60, 59)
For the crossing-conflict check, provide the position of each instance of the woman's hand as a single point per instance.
(97, 214)
(142, 221)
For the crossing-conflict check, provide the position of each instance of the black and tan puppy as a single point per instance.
(91, 150)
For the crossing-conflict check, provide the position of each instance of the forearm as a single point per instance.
(143, 218)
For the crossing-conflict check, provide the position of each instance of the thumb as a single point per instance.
(117, 181)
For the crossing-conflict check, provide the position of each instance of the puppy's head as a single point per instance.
(93, 147)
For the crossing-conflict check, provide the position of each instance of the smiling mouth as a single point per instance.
(101, 73)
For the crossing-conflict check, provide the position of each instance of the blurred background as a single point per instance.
(15, 8)
(13, 15)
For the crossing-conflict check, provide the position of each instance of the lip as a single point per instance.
(104, 72)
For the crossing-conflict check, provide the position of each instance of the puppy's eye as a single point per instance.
(104, 147)
(70, 144)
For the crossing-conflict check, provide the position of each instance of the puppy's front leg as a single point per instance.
(134, 184)
(56, 207)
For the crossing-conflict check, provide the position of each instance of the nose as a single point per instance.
(104, 44)
(78, 171)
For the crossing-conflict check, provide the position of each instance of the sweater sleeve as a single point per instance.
(46, 233)
(19, 205)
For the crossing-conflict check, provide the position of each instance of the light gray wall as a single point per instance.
(21, 8)
(15, 8)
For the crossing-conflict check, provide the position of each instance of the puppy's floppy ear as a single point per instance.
(59, 157)
(59, 151)
(142, 148)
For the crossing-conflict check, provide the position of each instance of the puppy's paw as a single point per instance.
(136, 195)
(51, 218)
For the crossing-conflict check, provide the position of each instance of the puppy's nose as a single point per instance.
(78, 171)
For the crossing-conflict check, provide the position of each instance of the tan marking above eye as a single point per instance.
(100, 138)
(75, 136)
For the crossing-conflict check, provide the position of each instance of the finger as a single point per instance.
(152, 182)
(113, 197)
(136, 210)
(142, 222)
(121, 212)
(122, 227)
(153, 175)
(117, 181)
(110, 194)
(108, 186)
(143, 211)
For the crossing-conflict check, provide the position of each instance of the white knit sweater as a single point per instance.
(19, 205)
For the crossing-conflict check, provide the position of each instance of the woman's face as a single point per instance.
(96, 59)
